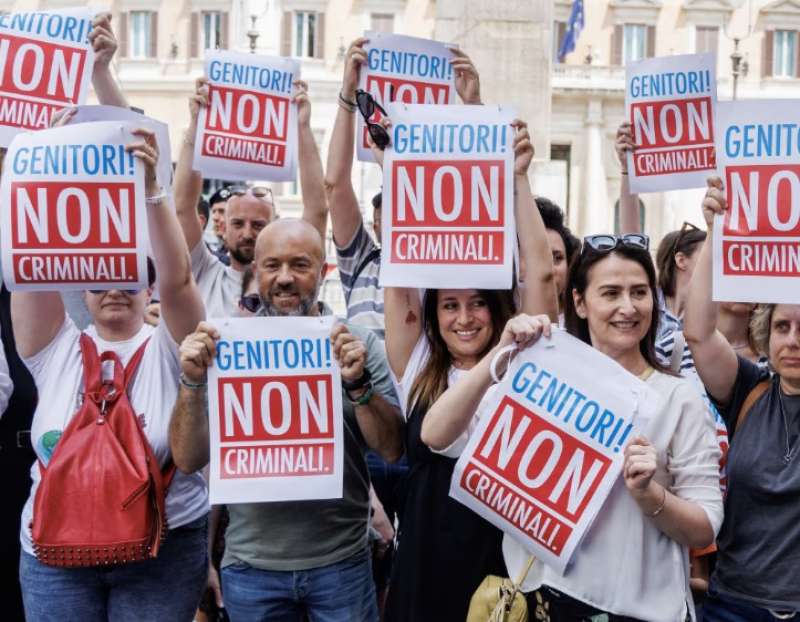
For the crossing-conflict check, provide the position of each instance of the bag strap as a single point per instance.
(92, 376)
(752, 397)
(679, 345)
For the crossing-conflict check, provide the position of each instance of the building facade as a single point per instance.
(573, 107)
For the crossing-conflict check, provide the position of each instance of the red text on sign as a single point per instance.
(448, 194)
(763, 200)
(672, 123)
(551, 467)
(247, 113)
(61, 215)
(287, 408)
(37, 69)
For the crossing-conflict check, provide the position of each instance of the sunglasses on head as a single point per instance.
(604, 243)
(259, 192)
(251, 302)
(367, 107)
(130, 292)
(686, 227)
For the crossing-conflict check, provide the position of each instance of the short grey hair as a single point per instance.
(760, 326)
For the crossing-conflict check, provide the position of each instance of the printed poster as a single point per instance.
(448, 197)
(403, 69)
(670, 103)
(550, 445)
(249, 129)
(757, 242)
(74, 210)
(275, 411)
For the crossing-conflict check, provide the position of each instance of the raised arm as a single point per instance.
(104, 42)
(345, 212)
(629, 220)
(181, 305)
(468, 84)
(539, 294)
(451, 414)
(188, 427)
(188, 182)
(714, 358)
(36, 318)
(312, 179)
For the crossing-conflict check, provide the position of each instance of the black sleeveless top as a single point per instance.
(444, 549)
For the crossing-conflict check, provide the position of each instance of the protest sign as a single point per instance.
(46, 63)
(403, 69)
(275, 411)
(73, 212)
(249, 128)
(549, 445)
(757, 242)
(87, 114)
(670, 103)
(448, 197)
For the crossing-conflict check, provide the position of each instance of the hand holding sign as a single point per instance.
(640, 465)
(103, 40)
(524, 330)
(197, 351)
(197, 101)
(350, 353)
(300, 97)
(468, 83)
(355, 58)
(62, 117)
(714, 202)
(146, 150)
(523, 148)
(624, 144)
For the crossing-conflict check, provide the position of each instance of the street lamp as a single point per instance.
(739, 65)
(252, 34)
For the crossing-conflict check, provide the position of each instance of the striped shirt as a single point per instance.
(363, 295)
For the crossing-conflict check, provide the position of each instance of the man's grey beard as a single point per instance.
(301, 310)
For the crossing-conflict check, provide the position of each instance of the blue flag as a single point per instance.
(574, 27)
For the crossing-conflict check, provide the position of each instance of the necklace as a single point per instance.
(787, 457)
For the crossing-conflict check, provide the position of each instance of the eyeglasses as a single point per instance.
(367, 106)
(130, 292)
(604, 243)
(251, 302)
(686, 227)
(259, 192)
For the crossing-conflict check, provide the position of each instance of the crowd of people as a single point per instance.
(703, 524)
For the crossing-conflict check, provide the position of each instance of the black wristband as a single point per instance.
(352, 385)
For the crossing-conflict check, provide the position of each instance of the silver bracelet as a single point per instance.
(660, 508)
(156, 198)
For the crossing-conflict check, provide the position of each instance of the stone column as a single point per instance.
(596, 211)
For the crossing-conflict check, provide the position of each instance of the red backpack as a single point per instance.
(101, 497)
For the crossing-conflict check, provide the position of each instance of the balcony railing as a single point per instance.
(588, 77)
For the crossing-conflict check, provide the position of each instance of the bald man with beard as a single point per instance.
(284, 559)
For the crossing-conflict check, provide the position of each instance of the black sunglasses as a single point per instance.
(604, 243)
(251, 302)
(367, 107)
(130, 292)
(686, 227)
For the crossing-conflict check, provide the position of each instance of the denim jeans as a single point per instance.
(165, 588)
(341, 592)
(722, 608)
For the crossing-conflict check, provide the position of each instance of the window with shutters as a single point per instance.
(784, 54)
(706, 39)
(634, 42)
(212, 30)
(381, 22)
(305, 24)
(141, 37)
(559, 30)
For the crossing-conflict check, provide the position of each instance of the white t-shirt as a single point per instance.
(220, 285)
(6, 384)
(58, 372)
(606, 571)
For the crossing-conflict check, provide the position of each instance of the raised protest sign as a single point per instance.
(670, 103)
(73, 212)
(403, 69)
(87, 114)
(275, 411)
(46, 63)
(757, 242)
(549, 445)
(249, 129)
(448, 197)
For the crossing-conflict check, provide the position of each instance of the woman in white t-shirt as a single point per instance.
(444, 549)
(633, 562)
(169, 586)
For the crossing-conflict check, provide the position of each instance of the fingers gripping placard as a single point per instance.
(549, 447)
(275, 411)
(448, 197)
(73, 212)
(46, 64)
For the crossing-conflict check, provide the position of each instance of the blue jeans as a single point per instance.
(165, 588)
(722, 608)
(341, 592)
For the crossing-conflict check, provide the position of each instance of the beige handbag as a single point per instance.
(498, 599)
